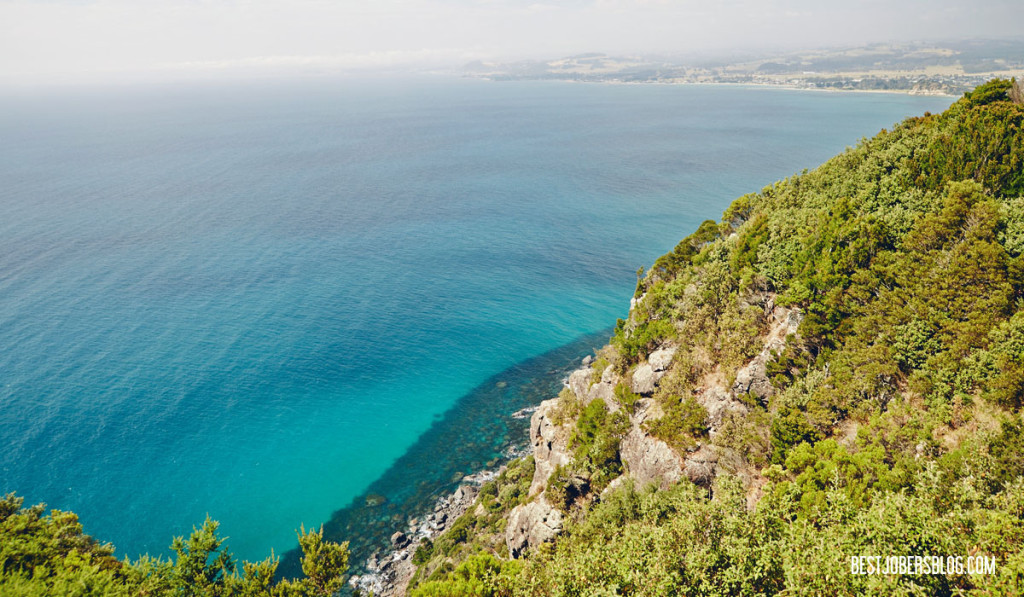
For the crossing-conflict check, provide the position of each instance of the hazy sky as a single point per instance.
(82, 39)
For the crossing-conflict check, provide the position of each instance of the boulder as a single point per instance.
(752, 378)
(644, 380)
(579, 382)
(788, 319)
(606, 392)
(615, 484)
(465, 495)
(661, 359)
(650, 460)
(530, 525)
(718, 401)
(399, 540)
(701, 466)
(548, 442)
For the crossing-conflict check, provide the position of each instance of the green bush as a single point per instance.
(625, 397)
(684, 423)
(595, 442)
(480, 575)
(424, 552)
(789, 429)
(597, 369)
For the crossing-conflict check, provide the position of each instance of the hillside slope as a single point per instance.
(835, 369)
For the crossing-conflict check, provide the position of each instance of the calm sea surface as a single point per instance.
(253, 300)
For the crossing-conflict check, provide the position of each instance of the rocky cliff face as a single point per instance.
(646, 459)
(534, 523)
(530, 525)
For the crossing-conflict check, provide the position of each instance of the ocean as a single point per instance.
(261, 301)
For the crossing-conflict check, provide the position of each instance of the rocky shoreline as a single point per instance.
(390, 572)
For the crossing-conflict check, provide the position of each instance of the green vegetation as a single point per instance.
(49, 554)
(626, 397)
(568, 407)
(595, 444)
(481, 575)
(677, 542)
(597, 368)
(893, 425)
(683, 424)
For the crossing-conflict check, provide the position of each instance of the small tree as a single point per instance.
(323, 562)
(201, 567)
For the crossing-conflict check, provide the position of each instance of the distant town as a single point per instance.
(919, 68)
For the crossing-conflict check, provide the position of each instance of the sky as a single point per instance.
(51, 40)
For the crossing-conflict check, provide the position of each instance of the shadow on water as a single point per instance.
(475, 434)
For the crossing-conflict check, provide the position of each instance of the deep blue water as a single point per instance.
(250, 300)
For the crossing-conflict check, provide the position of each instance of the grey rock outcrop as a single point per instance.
(650, 460)
(718, 401)
(604, 391)
(644, 380)
(661, 359)
(531, 524)
(753, 377)
(647, 459)
(579, 382)
(549, 445)
(702, 466)
(648, 374)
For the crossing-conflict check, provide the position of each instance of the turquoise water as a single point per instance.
(251, 300)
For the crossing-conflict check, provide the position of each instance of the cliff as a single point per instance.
(646, 459)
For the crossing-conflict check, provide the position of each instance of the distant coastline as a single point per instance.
(932, 69)
(749, 85)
